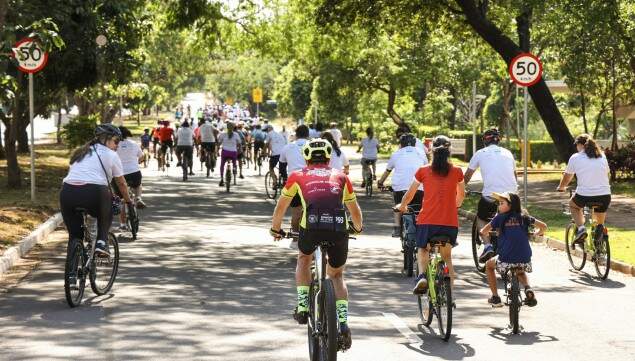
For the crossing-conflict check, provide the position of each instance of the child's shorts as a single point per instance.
(502, 267)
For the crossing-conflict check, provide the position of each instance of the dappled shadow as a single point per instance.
(522, 338)
(585, 279)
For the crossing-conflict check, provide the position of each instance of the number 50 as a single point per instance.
(524, 67)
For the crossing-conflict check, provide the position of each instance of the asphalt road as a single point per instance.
(205, 282)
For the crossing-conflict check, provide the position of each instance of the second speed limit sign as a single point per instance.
(525, 69)
(31, 58)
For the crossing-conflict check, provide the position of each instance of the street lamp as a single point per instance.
(101, 41)
(476, 100)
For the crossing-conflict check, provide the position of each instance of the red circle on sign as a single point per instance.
(515, 60)
(45, 56)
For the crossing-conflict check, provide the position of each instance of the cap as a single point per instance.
(504, 195)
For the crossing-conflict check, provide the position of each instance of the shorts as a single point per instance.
(155, 140)
(501, 267)
(167, 144)
(337, 253)
(368, 161)
(427, 231)
(487, 208)
(258, 144)
(599, 204)
(417, 200)
(296, 201)
(133, 179)
(273, 161)
(208, 146)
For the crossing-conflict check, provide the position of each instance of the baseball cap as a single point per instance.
(500, 196)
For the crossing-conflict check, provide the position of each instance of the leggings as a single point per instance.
(224, 155)
(97, 202)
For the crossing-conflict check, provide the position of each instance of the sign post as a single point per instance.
(31, 59)
(525, 70)
(256, 95)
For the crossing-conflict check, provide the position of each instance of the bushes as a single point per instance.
(79, 130)
(622, 161)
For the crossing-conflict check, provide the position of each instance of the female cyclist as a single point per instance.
(229, 145)
(338, 158)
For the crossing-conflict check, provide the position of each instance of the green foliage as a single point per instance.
(79, 130)
(622, 161)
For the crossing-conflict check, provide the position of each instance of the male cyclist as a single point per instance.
(498, 169)
(207, 137)
(292, 159)
(324, 192)
(166, 136)
(275, 144)
(259, 142)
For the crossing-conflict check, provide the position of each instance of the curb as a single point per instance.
(11, 255)
(560, 246)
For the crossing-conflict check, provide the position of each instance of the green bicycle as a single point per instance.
(438, 300)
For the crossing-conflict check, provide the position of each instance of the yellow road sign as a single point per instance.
(229, 101)
(256, 94)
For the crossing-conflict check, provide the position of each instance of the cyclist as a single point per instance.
(86, 186)
(405, 162)
(591, 169)
(166, 136)
(244, 138)
(512, 227)
(207, 138)
(445, 191)
(259, 138)
(130, 155)
(229, 143)
(155, 137)
(369, 148)
(145, 139)
(291, 159)
(185, 145)
(275, 144)
(339, 160)
(337, 134)
(324, 191)
(498, 169)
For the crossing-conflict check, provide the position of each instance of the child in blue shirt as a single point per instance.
(512, 228)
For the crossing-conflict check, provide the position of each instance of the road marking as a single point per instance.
(401, 326)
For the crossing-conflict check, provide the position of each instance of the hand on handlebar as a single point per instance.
(402, 208)
(277, 234)
(561, 189)
(352, 229)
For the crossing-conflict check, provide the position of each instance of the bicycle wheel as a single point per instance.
(104, 269)
(408, 258)
(477, 246)
(74, 276)
(208, 163)
(312, 338)
(576, 262)
(328, 316)
(444, 304)
(602, 257)
(514, 305)
(228, 179)
(133, 223)
(270, 186)
(425, 305)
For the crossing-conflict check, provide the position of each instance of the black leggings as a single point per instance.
(97, 202)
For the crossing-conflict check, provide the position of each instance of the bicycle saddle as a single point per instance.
(439, 239)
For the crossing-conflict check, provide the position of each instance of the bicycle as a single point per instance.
(186, 162)
(208, 158)
(146, 157)
(132, 217)
(273, 184)
(599, 249)
(438, 299)
(368, 176)
(101, 271)
(513, 296)
(478, 244)
(408, 241)
(228, 176)
(261, 159)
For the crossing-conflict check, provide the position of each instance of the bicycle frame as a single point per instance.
(435, 260)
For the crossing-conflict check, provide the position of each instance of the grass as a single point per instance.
(624, 187)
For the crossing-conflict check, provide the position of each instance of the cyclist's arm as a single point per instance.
(564, 181)
(383, 177)
(542, 227)
(407, 198)
(469, 173)
(278, 213)
(123, 188)
(460, 193)
(356, 213)
(485, 230)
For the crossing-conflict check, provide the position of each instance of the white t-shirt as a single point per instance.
(337, 135)
(206, 132)
(369, 148)
(89, 170)
(129, 153)
(229, 144)
(592, 174)
(497, 169)
(292, 155)
(405, 162)
(338, 161)
(277, 142)
(185, 136)
(313, 133)
(422, 147)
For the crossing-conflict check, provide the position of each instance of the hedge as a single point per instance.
(79, 130)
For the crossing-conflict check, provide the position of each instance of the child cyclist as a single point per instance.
(512, 227)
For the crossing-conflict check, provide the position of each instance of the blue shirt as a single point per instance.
(145, 140)
(513, 240)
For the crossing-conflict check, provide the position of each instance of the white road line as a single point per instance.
(401, 326)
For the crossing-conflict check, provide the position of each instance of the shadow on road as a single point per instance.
(523, 338)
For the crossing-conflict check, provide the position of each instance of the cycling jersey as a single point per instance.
(323, 191)
(259, 135)
(165, 134)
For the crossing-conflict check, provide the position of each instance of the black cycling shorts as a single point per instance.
(208, 146)
(167, 144)
(155, 140)
(273, 161)
(417, 200)
(487, 208)
(337, 253)
(259, 144)
(133, 179)
(600, 204)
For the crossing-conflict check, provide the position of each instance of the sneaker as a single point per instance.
(396, 232)
(488, 253)
(191, 173)
(495, 301)
(363, 185)
(580, 236)
(221, 183)
(178, 164)
(344, 340)
(374, 177)
(140, 204)
(530, 297)
(301, 317)
(421, 285)
(101, 249)
(293, 245)
(241, 177)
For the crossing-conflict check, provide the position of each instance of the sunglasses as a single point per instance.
(116, 140)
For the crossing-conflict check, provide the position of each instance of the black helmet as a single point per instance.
(490, 136)
(407, 140)
(441, 141)
(107, 129)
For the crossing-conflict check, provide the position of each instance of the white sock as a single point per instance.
(581, 228)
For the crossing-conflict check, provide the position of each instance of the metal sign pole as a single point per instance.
(473, 116)
(525, 150)
(32, 137)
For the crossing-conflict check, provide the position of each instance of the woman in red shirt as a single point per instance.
(444, 193)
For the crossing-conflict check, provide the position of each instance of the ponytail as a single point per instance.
(80, 153)
(591, 148)
(440, 163)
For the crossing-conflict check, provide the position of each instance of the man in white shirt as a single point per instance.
(405, 162)
(207, 134)
(291, 159)
(275, 144)
(498, 170)
(131, 155)
(337, 134)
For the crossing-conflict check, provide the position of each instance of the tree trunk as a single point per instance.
(392, 96)
(540, 94)
(583, 111)
(614, 86)
(455, 108)
(598, 119)
(507, 96)
(58, 134)
(14, 179)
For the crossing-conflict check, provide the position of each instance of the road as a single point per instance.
(206, 282)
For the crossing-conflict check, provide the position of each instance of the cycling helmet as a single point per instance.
(441, 141)
(107, 129)
(490, 136)
(317, 150)
(407, 140)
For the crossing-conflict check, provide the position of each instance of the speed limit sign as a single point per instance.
(525, 69)
(31, 58)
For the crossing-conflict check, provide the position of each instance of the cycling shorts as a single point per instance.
(502, 267)
(427, 231)
(273, 161)
(487, 208)
(417, 200)
(155, 140)
(296, 201)
(368, 161)
(167, 144)
(599, 203)
(337, 253)
(259, 144)
(208, 146)
(133, 180)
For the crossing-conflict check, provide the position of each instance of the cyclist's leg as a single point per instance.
(69, 196)
(234, 158)
(338, 254)
(103, 214)
(223, 159)
(374, 164)
(490, 270)
(446, 254)
(189, 155)
(485, 210)
(396, 223)
(576, 207)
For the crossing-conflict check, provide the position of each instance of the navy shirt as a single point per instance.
(513, 240)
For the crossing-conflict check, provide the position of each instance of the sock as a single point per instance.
(122, 224)
(303, 298)
(581, 228)
(342, 310)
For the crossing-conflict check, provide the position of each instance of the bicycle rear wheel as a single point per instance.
(514, 305)
(328, 315)
(408, 261)
(576, 262)
(74, 276)
(444, 304)
(228, 179)
(602, 257)
(104, 269)
(425, 304)
(477, 246)
(270, 186)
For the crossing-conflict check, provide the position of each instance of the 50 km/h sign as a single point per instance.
(525, 69)
(30, 56)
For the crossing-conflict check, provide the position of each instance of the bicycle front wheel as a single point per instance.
(133, 223)
(514, 305)
(408, 261)
(104, 269)
(577, 257)
(270, 186)
(74, 276)
(444, 306)
(477, 246)
(602, 257)
(328, 315)
(312, 332)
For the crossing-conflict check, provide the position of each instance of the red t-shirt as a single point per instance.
(439, 196)
(165, 134)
